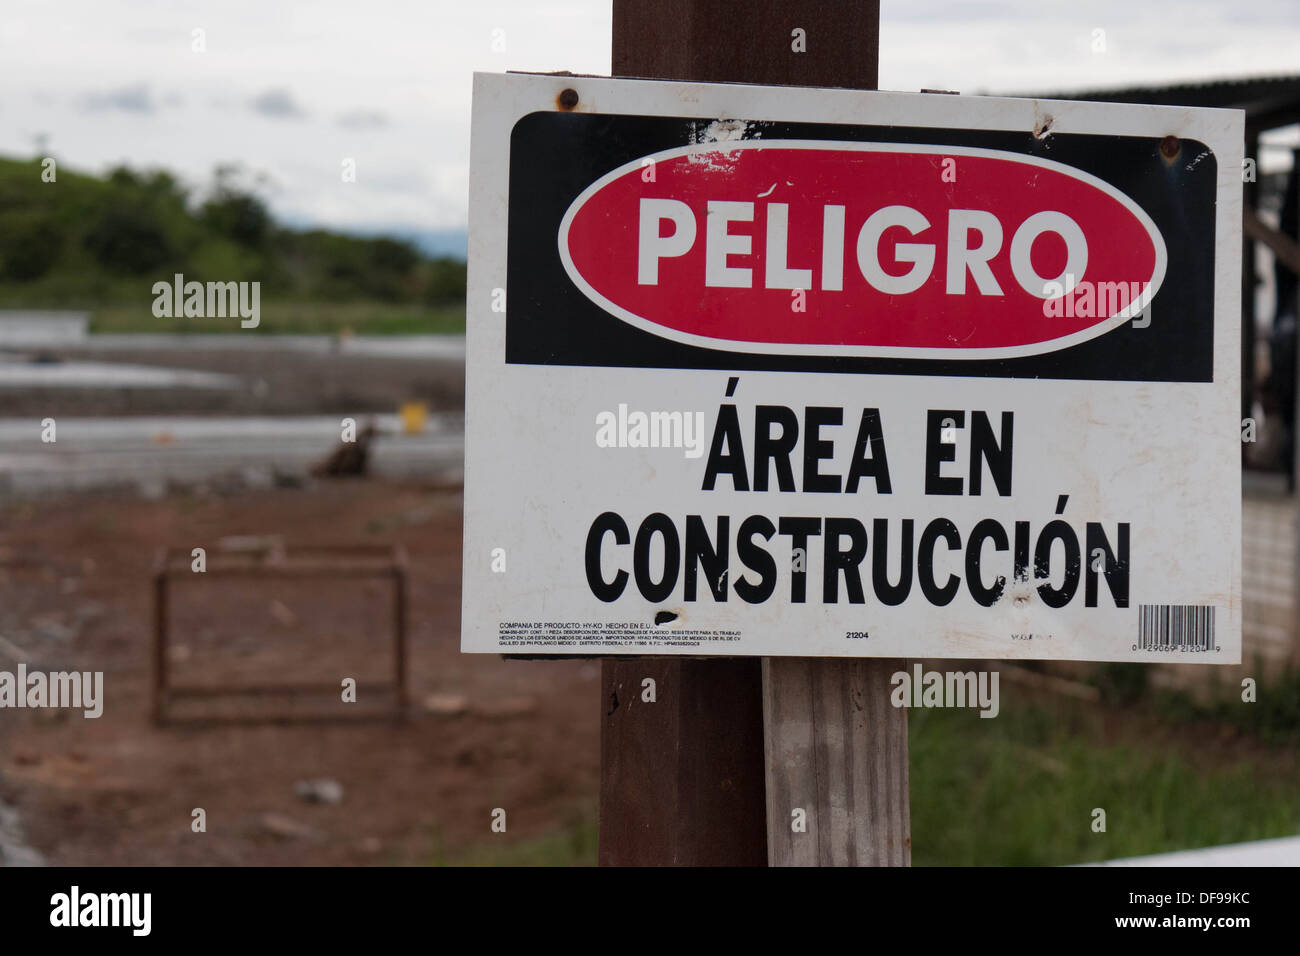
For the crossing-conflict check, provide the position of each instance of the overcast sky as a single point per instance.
(287, 89)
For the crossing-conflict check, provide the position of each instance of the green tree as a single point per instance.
(129, 238)
(30, 244)
(240, 217)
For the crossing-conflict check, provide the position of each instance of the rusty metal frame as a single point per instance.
(320, 561)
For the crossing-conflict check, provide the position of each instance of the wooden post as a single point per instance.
(749, 41)
(836, 763)
(682, 780)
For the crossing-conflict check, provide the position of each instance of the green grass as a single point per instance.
(1020, 789)
(571, 844)
(1274, 716)
(362, 318)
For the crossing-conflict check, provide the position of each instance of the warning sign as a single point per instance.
(807, 372)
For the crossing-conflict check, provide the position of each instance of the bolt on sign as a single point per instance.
(780, 371)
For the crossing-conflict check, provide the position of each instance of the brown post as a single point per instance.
(682, 779)
(749, 41)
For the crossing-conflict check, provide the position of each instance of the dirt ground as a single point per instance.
(75, 593)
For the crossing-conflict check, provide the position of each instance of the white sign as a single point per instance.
(781, 371)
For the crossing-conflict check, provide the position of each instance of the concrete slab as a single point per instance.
(34, 327)
(152, 453)
(1280, 852)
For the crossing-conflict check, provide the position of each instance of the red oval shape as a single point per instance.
(624, 244)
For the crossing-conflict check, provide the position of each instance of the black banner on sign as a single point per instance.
(554, 157)
(118, 909)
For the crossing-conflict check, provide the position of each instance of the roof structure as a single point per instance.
(1269, 101)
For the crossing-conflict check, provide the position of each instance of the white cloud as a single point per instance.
(277, 104)
(387, 82)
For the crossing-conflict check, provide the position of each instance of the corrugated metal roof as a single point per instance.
(1269, 101)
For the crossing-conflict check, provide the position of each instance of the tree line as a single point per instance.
(86, 241)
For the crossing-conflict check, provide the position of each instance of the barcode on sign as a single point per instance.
(1175, 627)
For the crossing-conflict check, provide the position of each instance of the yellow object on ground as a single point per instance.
(414, 416)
